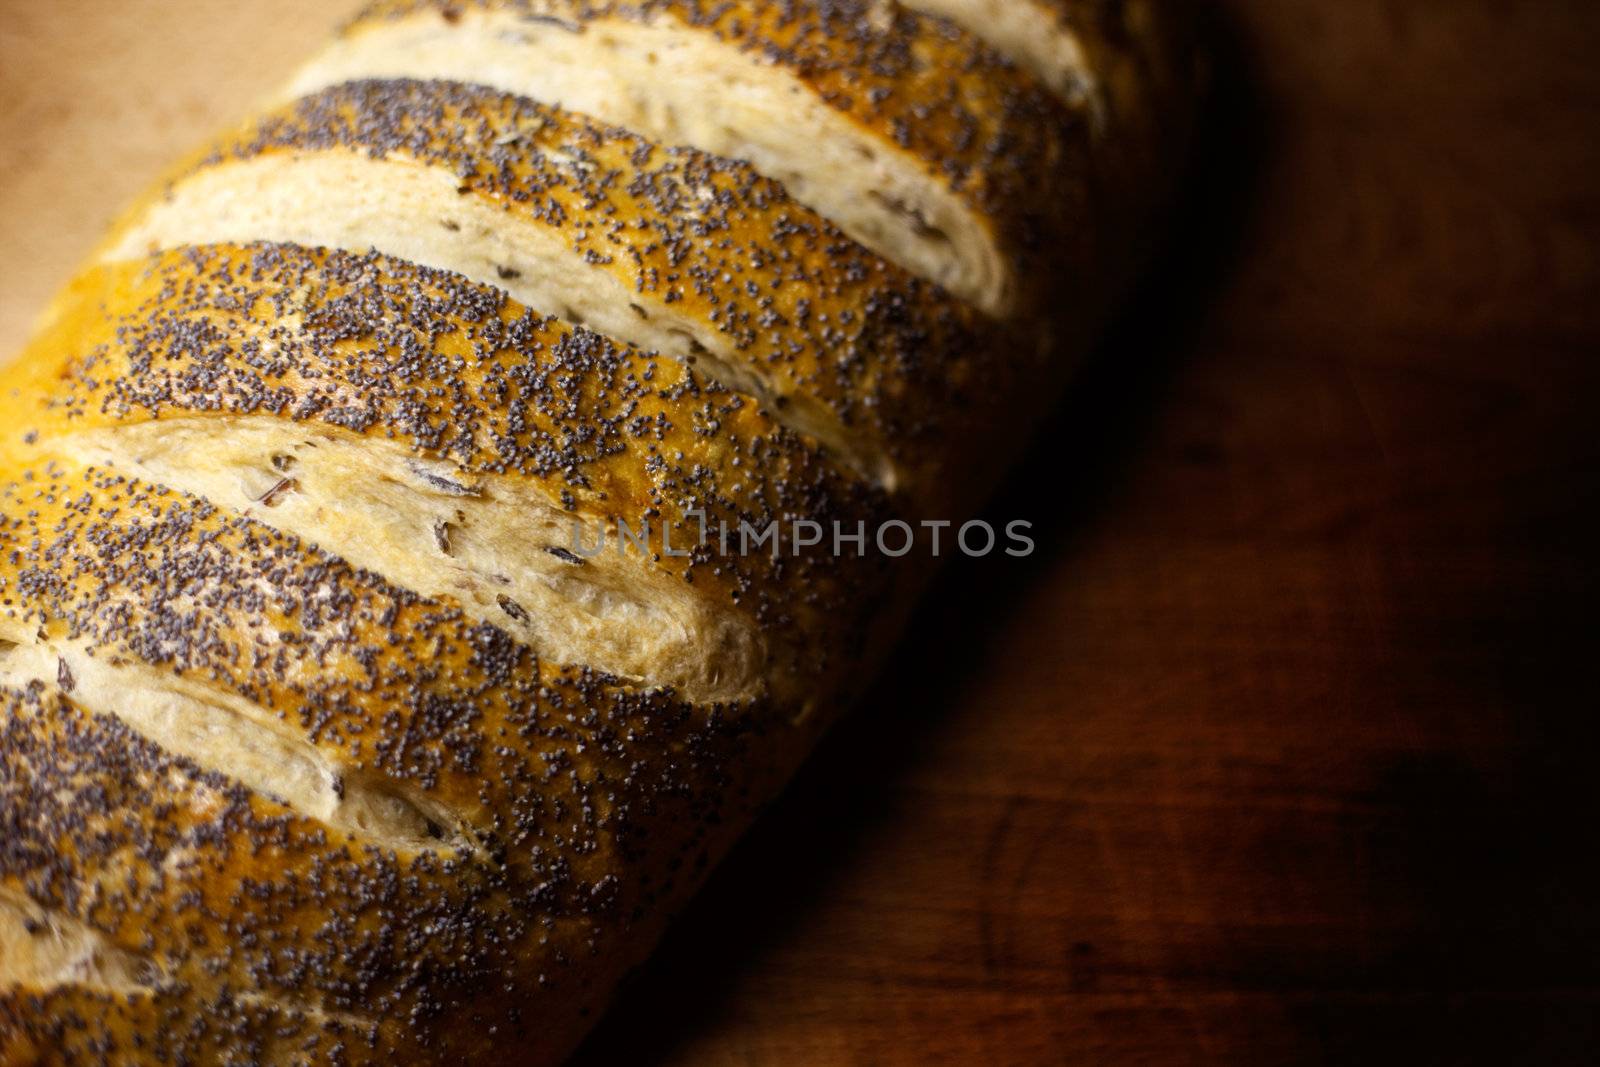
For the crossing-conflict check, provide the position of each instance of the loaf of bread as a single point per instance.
(331, 729)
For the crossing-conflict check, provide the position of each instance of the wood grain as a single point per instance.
(1283, 748)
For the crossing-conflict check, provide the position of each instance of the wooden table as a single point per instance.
(1283, 749)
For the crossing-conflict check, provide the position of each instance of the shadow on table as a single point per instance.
(788, 858)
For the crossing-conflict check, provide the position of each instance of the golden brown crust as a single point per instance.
(265, 936)
(1132, 67)
(856, 349)
(1132, 45)
(1142, 59)
(987, 129)
(261, 802)
(463, 376)
(74, 1025)
(578, 799)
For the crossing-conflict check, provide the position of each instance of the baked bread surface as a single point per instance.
(325, 738)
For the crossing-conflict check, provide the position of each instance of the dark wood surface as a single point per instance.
(1284, 747)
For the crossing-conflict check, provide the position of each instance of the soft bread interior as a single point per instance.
(657, 79)
(498, 546)
(1031, 33)
(345, 200)
(219, 730)
(42, 950)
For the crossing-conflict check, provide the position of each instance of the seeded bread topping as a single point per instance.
(505, 407)
(747, 285)
(544, 784)
(438, 520)
(917, 87)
